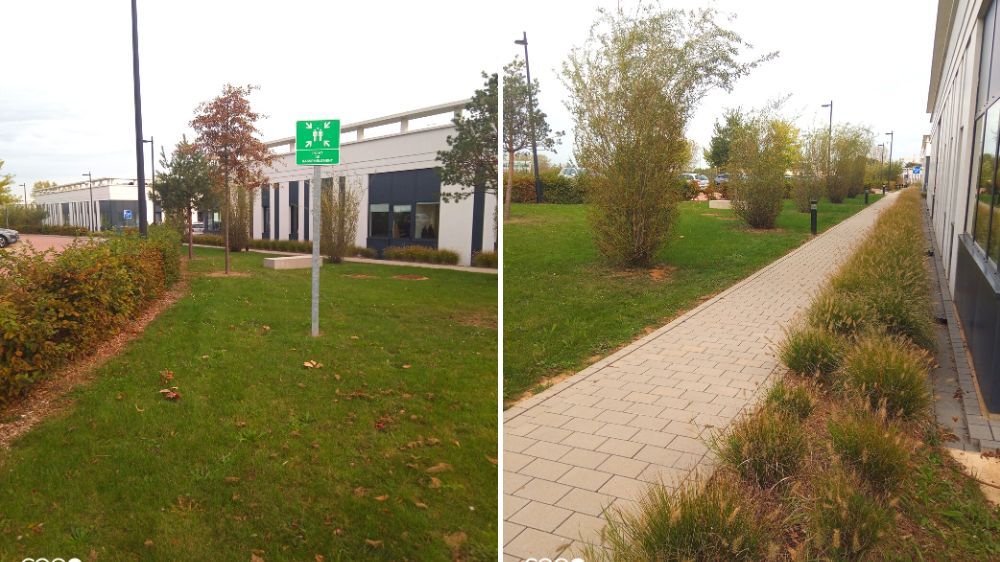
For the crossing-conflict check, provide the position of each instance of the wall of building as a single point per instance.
(412, 150)
(965, 125)
(109, 200)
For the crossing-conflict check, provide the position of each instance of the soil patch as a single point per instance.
(410, 277)
(477, 320)
(657, 273)
(45, 398)
(359, 276)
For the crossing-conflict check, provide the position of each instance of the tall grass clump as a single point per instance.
(845, 523)
(764, 448)
(877, 451)
(718, 522)
(891, 374)
(812, 352)
(794, 401)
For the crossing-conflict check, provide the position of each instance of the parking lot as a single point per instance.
(44, 242)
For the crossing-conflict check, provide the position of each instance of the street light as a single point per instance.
(90, 181)
(829, 147)
(152, 165)
(881, 156)
(892, 138)
(24, 186)
(531, 115)
(137, 98)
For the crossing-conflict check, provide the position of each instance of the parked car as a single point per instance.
(722, 178)
(8, 236)
(198, 227)
(700, 178)
(571, 171)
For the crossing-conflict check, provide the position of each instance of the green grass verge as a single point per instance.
(563, 307)
(386, 451)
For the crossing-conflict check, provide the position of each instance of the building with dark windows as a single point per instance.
(963, 201)
(114, 204)
(390, 162)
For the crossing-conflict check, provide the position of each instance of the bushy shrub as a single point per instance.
(24, 216)
(52, 230)
(55, 306)
(805, 189)
(555, 188)
(810, 351)
(889, 373)
(875, 450)
(421, 254)
(759, 154)
(845, 522)
(794, 401)
(485, 259)
(763, 448)
(716, 523)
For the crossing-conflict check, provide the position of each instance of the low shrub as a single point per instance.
(845, 523)
(555, 188)
(362, 252)
(53, 230)
(812, 352)
(56, 306)
(716, 523)
(876, 451)
(795, 401)
(891, 374)
(805, 189)
(421, 254)
(485, 259)
(763, 448)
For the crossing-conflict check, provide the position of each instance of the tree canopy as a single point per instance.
(471, 159)
(7, 196)
(185, 184)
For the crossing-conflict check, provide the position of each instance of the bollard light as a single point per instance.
(813, 207)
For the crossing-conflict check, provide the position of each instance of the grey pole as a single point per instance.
(892, 139)
(881, 156)
(24, 186)
(531, 113)
(152, 162)
(829, 148)
(316, 233)
(137, 98)
(93, 216)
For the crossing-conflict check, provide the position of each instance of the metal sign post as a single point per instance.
(317, 143)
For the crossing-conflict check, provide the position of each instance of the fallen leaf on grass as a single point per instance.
(312, 364)
(373, 543)
(420, 505)
(170, 393)
(360, 492)
(319, 558)
(439, 467)
(435, 482)
(455, 542)
(148, 543)
(492, 460)
(354, 337)
(119, 396)
(382, 498)
(407, 366)
(255, 558)
(232, 479)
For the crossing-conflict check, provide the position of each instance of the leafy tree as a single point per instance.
(340, 217)
(42, 184)
(633, 87)
(228, 136)
(472, 159)
(717, 155)
(763, 147)
(185, 184)
(851, 145)
(7, 196)
(518, 119)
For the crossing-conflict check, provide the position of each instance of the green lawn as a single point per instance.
(563, 309)
(263, 456)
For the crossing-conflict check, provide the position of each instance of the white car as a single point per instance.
(8, 236)
(571, 171)
(702, 179)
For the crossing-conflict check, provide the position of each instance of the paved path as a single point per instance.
(642, 414)
(46, 241)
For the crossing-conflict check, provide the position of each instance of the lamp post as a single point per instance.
(93, 217)
(531, 117)
(892, 138)
(829, 146)
(24, 186)
(137, 99)
(152, 166)
(881, 156)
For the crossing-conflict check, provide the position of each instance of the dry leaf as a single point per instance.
(232, 479)
(492, 460)
(311, 364)
(360, 492)
(255, 558)
(435, 482)
(406, 366)
(373, 543)
(420, 505)
(439, 467)
(382, 498)
(170, 394)
(354, 337)
(148, 543)
(455, 542)
(319, 558)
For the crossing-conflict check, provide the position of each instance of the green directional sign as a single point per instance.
(317, 142)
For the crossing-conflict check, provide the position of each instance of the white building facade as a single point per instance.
(101, 204)
(963, 202)
(403, 201)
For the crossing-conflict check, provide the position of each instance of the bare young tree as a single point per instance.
(633, 87)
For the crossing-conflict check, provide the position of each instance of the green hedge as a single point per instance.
(555, 188)
(485, 259)
(54, 309)
(51, 230)
(299, 246)
(421, 254)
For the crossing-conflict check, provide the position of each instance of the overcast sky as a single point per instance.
(872, 58)
(66, 76)
(66, 86)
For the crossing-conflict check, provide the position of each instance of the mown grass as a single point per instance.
(563, 308)
(871, 484)
(387, 451)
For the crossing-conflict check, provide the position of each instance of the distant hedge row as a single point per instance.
(300, 246)
(555, 188)
(54, 307)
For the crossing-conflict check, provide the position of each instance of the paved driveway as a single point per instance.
(45, 242)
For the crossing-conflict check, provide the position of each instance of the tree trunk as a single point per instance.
(510, 185)
(190, 236)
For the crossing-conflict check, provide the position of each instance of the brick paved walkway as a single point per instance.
(642, 414)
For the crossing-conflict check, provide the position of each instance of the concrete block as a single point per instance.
(288, 262)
